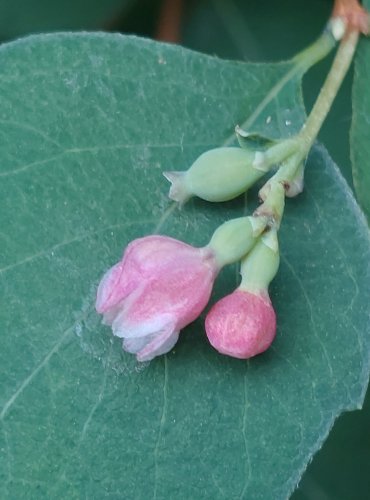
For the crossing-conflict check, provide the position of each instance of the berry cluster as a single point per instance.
(161, 284)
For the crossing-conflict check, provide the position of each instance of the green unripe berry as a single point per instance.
(220, 174)
(235, 238)
(260, 266)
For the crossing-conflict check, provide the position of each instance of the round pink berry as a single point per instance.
(242, 324)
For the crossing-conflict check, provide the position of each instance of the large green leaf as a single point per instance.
(360, 133)
(88, 123)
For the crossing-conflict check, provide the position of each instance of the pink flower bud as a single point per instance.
(160, 286)
(242, 324)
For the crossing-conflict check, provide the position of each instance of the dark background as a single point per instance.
(250, 30)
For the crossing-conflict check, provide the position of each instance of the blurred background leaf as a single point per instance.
(360, 132)
(22, 17)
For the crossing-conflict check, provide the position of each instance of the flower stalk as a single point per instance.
(329, 90)
(301, 63)
(289, 169)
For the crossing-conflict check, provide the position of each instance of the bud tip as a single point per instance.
(178, 191)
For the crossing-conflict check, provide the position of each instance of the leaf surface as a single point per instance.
(88, 124)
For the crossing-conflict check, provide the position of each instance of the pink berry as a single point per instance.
(242, 324)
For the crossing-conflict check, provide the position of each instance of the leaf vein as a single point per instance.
(310, 309)
(62, 244)
(27, 381)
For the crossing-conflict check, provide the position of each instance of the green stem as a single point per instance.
(309, 131)
(273, 206)
(329, 90)
(265, 160)
(305, 59)
(302, 61)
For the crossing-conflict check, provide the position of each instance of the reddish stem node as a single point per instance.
(355, 16)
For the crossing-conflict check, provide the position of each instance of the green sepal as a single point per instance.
(235, 238)
(253, 140)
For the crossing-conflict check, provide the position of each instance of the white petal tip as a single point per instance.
(161, 344)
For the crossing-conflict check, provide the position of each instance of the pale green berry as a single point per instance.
(220, 174)
(260, 266)
(235, 238)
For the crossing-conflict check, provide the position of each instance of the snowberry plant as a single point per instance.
(162, 284)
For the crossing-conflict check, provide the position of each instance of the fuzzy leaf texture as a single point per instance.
(88, 124)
